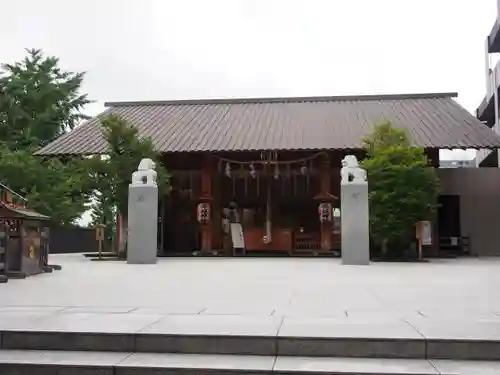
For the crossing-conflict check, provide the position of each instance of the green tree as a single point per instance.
(103, 214)
(403, 187)
(113, 173)
(56, 189)
(39, 102)
(103, 210)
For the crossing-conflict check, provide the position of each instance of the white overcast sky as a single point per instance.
(184, 49)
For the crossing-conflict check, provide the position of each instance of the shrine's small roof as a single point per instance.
(24, 213)
(303, 123)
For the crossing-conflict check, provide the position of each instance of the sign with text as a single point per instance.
(424, 232)
(237, 236)
(99, 233)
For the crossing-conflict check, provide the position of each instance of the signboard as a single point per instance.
(99, 233)
(454, 241)
(424, 233)
(99, 237)
(237, 236)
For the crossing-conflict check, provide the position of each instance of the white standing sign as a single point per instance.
(426, 233)
(237, 236)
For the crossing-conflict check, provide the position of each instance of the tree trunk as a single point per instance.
(122, 243)
(385, 248)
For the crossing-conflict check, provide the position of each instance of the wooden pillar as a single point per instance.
(216, 211)
(118, 232)
(161, 221)
(325, 196)
(207, 197)
(8, 197)
(434, 248)
(433, 157)
(325, 178)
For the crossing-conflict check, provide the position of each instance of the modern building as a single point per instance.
(458, 163)
(488, 110)
(278, 160)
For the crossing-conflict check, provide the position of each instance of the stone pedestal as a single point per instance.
(142, 224)
(355, 227)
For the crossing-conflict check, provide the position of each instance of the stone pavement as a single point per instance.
(317, 287)
(296, 316)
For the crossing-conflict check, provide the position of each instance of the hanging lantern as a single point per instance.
(228, 170)
(336, 213)
(253, 172)
(276, 172)
(303, 170)
(325, 212)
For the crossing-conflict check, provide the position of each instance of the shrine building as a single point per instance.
(275, 162)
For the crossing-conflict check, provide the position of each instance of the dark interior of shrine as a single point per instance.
(281, 190)
(276, 196)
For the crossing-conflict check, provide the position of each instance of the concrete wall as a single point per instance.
(479, 191)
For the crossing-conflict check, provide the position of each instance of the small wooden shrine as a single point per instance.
(25, 236)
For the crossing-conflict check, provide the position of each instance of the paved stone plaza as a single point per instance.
(315, 287)
(271, 315)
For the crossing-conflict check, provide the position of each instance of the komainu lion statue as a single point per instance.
(351, 171)
(145, 174)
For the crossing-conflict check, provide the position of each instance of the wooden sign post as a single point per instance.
(99, 236)
(424, 236)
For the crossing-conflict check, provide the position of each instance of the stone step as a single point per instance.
(355, 347)
(143, 330)
(34, 362)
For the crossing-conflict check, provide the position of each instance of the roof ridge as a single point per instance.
(284, 99)
(432, 120)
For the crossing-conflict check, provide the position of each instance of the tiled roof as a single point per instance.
(432, 120)
(24, 212)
